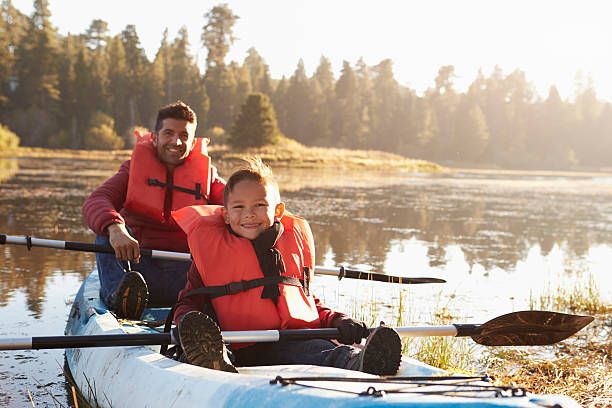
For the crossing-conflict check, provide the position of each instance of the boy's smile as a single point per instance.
(252, 208)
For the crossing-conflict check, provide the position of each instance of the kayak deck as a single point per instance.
(140, 376)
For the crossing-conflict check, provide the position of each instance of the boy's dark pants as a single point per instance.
(314, 352)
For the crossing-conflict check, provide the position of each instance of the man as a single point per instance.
(167, 171)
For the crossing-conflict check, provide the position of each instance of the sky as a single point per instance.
(553, 42)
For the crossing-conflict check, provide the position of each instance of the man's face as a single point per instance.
(174, 141)
(252, 208)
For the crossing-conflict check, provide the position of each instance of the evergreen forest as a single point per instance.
(90, 90)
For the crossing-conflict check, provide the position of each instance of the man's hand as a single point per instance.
(126, 248)
(351, 330)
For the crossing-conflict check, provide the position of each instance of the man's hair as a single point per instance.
(176, 110)
(252, 169)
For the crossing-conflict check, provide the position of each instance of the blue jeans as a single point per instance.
(314, 352)
(165, 278)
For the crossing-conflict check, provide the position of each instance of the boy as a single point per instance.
(254, 261)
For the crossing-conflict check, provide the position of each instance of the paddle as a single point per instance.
(527, 328)
(182, 256)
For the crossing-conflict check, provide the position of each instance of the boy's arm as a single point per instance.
(326, 315)
(351, 330)
(101, 208)
(191, 303)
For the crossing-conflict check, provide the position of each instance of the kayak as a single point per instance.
(131, 376)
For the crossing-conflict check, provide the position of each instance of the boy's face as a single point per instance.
(252, 208)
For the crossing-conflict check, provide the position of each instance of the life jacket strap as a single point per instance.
(233, 288)
(197, 192)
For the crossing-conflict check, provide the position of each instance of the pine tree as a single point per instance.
(137, 67)
(257, 69)
(300, 106)
(217, 34)
(279, 101)
(37, 94)
(385, 110)
(221, 86)
(71, 45)
(185, 81)
(471, 134)
(256, 123)
(221, 82)
(118, 78)
(347, 112)
(243, 82)
(323, 89)
(12, 27)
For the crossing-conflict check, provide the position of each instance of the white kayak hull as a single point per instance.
(139, 376)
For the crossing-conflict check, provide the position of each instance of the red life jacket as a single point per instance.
(223, 258)
(148, 182)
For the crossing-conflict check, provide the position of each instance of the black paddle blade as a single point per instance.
(385, 278)
(529, 328)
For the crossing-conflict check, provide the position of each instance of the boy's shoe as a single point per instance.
(202, 342)
(381, 355)
(131, 296)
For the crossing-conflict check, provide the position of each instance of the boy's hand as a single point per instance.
(351, 330)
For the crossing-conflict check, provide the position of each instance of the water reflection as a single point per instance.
(495, 223)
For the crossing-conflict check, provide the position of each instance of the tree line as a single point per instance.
(90, 90)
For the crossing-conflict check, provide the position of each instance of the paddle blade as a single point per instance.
(529, 328)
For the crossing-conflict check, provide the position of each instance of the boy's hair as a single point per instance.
(176, 110)
(252, 169)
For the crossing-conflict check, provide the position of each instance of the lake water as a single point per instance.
(500, 239)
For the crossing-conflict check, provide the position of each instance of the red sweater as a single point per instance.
(104, 206)
(197, 302)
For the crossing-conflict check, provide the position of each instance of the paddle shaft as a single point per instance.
(526, 328)
(258, 336)
(182, 256)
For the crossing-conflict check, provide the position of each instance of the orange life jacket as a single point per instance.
(222, 258)
(148, 182)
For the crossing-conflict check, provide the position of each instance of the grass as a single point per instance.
(287, 153)
(579, 367)
(457, 355)
(580, 371)
(291, 153)
(584, 296)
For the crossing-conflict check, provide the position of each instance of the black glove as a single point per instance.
(351, 330)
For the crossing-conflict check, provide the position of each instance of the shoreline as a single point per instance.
(295, 155)
(287, 154)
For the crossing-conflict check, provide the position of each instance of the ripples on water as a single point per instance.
(498, 239)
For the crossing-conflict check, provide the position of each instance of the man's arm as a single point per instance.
(101, 208)
(101, 212)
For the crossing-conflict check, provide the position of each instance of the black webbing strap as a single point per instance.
(168, 325)
(197, 192)
(242, 286)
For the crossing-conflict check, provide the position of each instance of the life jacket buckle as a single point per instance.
(235, 287)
